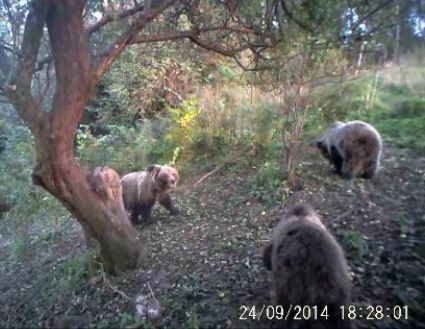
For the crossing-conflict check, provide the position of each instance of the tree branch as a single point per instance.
(72, 65)
(112, 17)
(97, 26)
(194, 36)
(217, 47)
(176, 35)
(114, 50)
(371, 13)
(291, 16)
(19, 91)
(40, 64)
(5, 65)
(42, 93)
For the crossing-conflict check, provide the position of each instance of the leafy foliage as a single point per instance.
(27, 202)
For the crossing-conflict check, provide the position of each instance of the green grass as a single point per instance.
(354, 243)
(22, 248)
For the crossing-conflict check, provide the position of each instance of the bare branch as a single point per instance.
(371, 13)
(111, 17)
(5, 65)
(254, 68)
(40, 64)
(169, 36)
(97, 26)
(30, 44)
(9, 11)
(176, 35)
(114, 50)
(217, 47)
(19, 91)
(71, 58)
(46, 86)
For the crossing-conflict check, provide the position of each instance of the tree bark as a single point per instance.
(95, 200)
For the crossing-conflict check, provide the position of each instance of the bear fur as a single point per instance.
(308, 267)
(143, 188)
(354, 148)
(106, 183)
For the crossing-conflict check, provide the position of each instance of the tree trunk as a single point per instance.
(95, 200)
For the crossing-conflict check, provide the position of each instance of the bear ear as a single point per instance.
(267, 256)
(319, 144)
(153, 169)
(150, 168)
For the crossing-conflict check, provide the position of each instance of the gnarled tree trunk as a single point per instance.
(95, 200)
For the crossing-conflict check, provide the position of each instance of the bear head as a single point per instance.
(302, 211)
(164, 178)
(323, 143)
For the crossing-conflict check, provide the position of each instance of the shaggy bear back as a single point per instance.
(354, 148)
(308, 268)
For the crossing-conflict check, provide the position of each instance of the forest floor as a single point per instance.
(206, 263)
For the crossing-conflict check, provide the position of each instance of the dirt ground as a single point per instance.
(205, 264)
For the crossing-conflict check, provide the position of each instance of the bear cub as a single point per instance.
(142, 189)
(354, 148)
(308, 268)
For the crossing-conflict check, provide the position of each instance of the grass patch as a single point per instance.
(354, 243)
(22, 248)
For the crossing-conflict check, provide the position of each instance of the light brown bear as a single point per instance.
(106, 183)
(143, 188)
(308, 268)
(354, 148)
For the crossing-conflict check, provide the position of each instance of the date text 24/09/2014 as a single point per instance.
(308, 312)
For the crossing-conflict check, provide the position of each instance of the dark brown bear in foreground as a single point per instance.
(354, 148)
(308, 269)
(143, 188)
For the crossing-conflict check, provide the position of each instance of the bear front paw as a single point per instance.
(174, 211)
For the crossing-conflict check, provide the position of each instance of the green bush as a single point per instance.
(125, 149)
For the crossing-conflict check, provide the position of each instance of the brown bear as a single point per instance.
(106, 183)
(143, 188)
(354, 148)
(308, 268)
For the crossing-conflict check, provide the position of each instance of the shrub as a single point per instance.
(267, 184)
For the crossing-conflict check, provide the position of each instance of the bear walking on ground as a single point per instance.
(143, 188)
(308, 268)
(354, 148)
